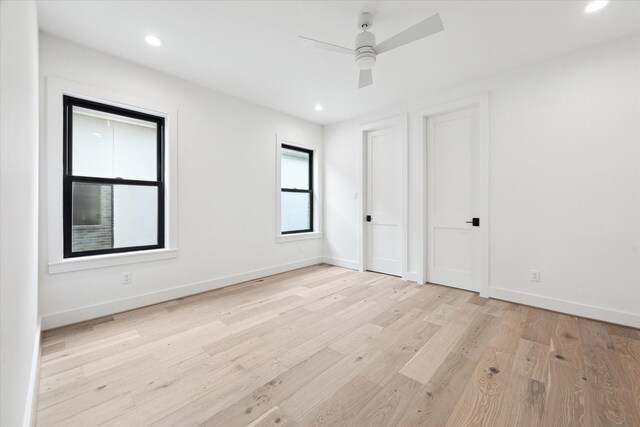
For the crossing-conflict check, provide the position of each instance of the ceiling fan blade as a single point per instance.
(422, 29)
(366, 78)
(325, 46)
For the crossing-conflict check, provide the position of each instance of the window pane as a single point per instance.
(295, 169)
(109, 216)
(135, 216)
(88, 203)
(92, 213)
(295, 211)
(112, 146)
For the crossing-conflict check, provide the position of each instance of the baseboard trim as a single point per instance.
(30, 409)
(345, 263)
(64, 318)
(563, 306)
(411, 276)
(56, 320)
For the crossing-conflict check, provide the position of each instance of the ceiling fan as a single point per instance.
(366, 48)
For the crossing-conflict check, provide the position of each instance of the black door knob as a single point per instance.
(475, 222)
(368, 218)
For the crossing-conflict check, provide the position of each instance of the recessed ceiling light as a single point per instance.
(97, 135)
(318, 107)
(595, 5)
(153, 40)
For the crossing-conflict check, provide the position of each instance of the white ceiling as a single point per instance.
(249, 49)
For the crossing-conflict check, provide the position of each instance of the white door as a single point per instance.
(454, 198)
(384, 201)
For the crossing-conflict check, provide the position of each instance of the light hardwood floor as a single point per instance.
(329, 346)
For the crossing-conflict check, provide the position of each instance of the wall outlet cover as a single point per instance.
(534, 275)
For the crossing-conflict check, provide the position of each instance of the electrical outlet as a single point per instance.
(534, 275)
(126, 278)
(301, 249)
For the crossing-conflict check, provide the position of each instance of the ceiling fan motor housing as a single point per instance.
(365, 55)
(366, 49)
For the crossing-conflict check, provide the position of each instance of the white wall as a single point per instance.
(19, 329)
(565, 181)
(227, 192)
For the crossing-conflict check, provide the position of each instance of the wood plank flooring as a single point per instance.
(329, 346)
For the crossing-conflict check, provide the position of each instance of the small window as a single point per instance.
(113, 179)
(296, 186)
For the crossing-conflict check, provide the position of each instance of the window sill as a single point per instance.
(98, 261)
(299, 236)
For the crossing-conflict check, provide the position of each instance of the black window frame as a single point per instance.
(68, 179)
(296, 190)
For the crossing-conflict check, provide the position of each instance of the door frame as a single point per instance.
(481, 101)
(402, 122)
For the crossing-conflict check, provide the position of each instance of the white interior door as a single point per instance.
(454, 197)
(384, 201)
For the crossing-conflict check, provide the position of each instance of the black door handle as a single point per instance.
(368, 218)
(475, 222)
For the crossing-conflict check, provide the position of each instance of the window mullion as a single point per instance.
(296, 190)
(114, 181)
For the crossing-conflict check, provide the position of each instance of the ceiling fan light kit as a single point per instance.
(366, 49)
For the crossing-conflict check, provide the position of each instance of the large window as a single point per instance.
(296, 187)
(113, 179)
